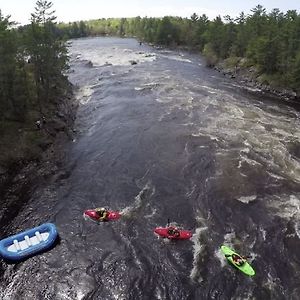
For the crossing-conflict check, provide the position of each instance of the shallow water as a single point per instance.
(166, 138)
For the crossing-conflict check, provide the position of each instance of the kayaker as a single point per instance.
(238, 260)
(102, 213)
(173, 232)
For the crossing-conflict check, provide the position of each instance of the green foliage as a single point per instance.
(24, 85)
(268, 41)
(48, 54)
(296, 73)
(33, 59)
(232, 61)
(166, 32)
(214, 36)
(210, 55)
(12, 77)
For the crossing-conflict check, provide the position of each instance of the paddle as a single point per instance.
(246, 256)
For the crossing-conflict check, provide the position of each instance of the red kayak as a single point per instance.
(173, 233)
(93, 215)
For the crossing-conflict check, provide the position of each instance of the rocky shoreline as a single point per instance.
(248, 78)
(19, 179)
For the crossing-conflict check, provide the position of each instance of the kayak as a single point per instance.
(245, 268)
(28, 243)
(93, 215)
(164, 232)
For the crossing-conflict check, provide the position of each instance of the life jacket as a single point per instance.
(103, 215)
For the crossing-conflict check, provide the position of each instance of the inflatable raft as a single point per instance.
(29, 242)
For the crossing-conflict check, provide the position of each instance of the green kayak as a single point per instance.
(245, 268)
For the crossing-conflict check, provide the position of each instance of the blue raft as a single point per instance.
(29, 242)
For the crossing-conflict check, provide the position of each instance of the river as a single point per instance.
(165, 138)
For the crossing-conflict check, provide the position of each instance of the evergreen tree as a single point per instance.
(166, 32)
(13, 85)
(268, 41)
(48, 54)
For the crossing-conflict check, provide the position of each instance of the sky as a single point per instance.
(75, 10)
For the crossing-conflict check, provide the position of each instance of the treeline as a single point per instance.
(268, 41)
(33, 59)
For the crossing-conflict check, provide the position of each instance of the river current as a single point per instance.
(160, 136)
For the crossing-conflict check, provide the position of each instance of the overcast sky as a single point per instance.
(73, 10)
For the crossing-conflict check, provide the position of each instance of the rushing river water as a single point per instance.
(166, 138)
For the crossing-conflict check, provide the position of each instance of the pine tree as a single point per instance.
(7, 65)
(47, 52)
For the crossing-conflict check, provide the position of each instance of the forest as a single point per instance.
(33, 61)
(269, 42)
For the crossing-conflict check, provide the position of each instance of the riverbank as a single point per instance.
(251, 79)
(247, 76)
(30, 151)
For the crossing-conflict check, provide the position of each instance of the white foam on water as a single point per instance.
(119, 295)
(147, 86)
(283, 133)
(247, 199)
(198, 248)
(210, 89)
(139, 88)
(80, 295)
(164, 99)
(220, 256)
(251, 162)
(271, 283)
(297, 229)
(139, 201)
(252, 256)
(191, 190)
(84, 94)
(248, 126)
(159, 294)
(116, 57)
(248, 295)
(275, 176)
(251, 89)
(263, 233)
(245, 150)
(228, 237)
(62, 292)
(152, 214)
(286, 206)
(177, 58)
